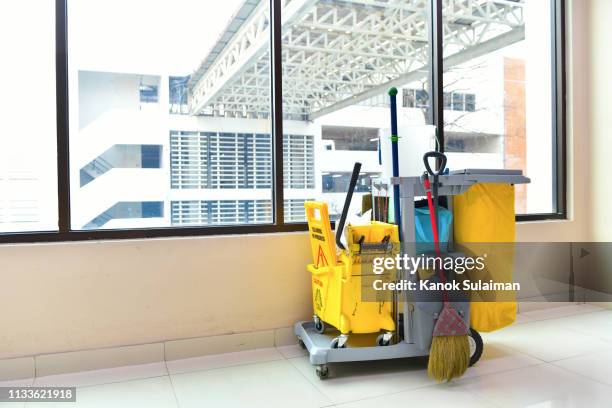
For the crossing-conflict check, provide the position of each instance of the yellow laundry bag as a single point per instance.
(484, 217)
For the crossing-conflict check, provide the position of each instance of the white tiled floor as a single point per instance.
(552, 358)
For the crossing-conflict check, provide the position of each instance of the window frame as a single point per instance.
(66, 233)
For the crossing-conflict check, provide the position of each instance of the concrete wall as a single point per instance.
(75, 296)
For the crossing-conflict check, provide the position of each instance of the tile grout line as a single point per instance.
(582, 354)
(176, 400)
(531, 320)
(417, 388)
(122, 381)
(288, 360)
(578, 331)
(582, 375)
(569, 329)
(541, 363)
(563, 358)
(314, 383)
(523, 353)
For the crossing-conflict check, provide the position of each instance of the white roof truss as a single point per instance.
(336, 53)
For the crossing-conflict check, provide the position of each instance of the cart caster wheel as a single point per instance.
(319, 325)
(335, 343)
(476, 346)
(381, 341)
(301, 344)
(322, 372)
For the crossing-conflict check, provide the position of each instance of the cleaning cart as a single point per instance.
(413, 312)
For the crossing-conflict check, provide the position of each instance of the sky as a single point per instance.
(28, 183)
(145, 36)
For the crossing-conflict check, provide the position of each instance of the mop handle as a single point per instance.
(395, 157)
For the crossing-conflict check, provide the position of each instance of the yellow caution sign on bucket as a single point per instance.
(321, 238)
(337, 280)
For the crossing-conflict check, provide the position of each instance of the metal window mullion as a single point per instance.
(436, 47)
(277, 110)
(61, 90)
(559, 100)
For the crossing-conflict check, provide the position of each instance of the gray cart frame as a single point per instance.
(417, 312)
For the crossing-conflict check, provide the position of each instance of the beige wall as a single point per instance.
(600, 84)
(75, 296)
(61, 297)
(579, 226)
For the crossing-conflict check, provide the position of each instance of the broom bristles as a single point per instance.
(449, 357)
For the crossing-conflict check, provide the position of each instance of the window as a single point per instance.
(173, 124)
(179, 91)
(350, 138)
(422, 98)
(470, 103)
(335, 89)
(339, 182)
(148, 93)
(122, 156)
(221, 212)
(458, 101)
(298, 161)
(513, 83)
(153, 144)
(448, 101)
(210, 160)
(294, 209)
(415, 98)
(409, 98)
(122, 213)
(28, 167)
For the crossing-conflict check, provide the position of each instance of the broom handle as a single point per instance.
(436, 237)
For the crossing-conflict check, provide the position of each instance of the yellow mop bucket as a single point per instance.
(337, 281)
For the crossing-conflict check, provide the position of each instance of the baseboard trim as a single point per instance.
(87, 360)
(12, 369)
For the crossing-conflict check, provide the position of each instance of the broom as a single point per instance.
(449, 355)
